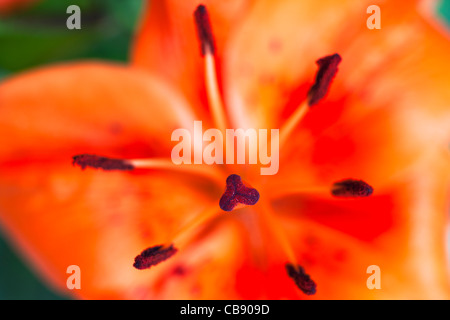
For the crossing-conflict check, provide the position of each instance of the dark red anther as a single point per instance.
(93, 161)
(204, 30)
(301, 279)
(328, 67)
(350, 188)
(153, 256)
(237, 193)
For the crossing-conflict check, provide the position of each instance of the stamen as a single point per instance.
(207, 46)
(109, 164)
(204, 30)
(237, 194)
(153, 256)
(350, 188)
(93, 161)
(214, 98)
(301, 279)
(328, 67)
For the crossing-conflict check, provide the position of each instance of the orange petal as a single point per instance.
(405, 66)
(272, 58)
(271, 61)
(109, 110)
(58, 214)
(167, 43)
(387, 107)
(401, 230)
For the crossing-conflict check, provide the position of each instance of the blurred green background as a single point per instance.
(37, 36)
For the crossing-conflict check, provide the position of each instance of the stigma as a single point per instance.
(328, 68)
(237, 194)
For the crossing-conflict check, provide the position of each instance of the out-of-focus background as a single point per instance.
(36, 35)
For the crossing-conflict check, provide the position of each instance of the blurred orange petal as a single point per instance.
(271, 60)
(401, 229)
(60, 216)
(61, 111)
(387, 106)
(97, 220)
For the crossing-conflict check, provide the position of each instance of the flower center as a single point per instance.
(237, 194)
(351, 188)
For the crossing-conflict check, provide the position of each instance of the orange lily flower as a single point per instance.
(385, 120)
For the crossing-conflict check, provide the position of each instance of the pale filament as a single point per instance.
(210, 172)
(281, 192)
(214, 97)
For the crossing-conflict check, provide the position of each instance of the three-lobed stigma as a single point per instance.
(237, 193)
